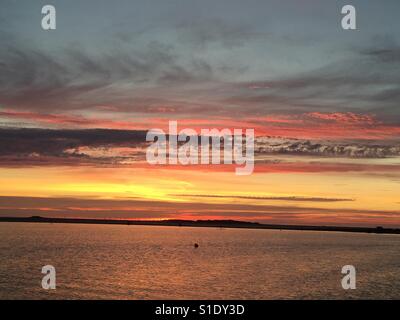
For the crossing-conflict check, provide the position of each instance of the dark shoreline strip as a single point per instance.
(204, 224)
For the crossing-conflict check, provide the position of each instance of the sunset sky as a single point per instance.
(76, 103)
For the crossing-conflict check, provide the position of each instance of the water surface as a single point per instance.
(148, 262)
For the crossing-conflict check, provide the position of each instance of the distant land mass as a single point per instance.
(202, 223)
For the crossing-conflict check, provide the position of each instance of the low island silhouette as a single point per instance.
(203, 223)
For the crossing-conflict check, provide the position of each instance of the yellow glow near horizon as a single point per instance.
(368, 192)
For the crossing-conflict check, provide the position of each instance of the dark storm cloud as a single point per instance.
(42, 142)
(40, 147)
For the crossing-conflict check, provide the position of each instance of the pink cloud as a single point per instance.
(344, 117)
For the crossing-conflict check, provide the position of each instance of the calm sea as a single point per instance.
(145, 262)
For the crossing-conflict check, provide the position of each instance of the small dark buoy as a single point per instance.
(196, 245)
